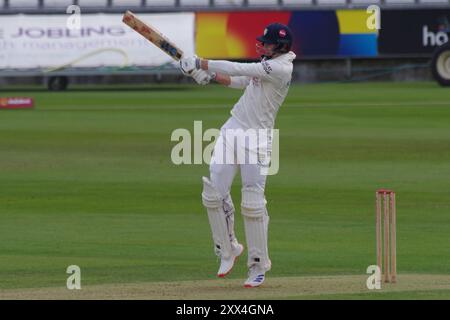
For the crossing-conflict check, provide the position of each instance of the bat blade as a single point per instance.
(152, 34)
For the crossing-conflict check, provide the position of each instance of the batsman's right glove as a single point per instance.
(201, 77)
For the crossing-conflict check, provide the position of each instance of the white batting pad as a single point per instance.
(256, 223)
(214, 205)
(229, 210)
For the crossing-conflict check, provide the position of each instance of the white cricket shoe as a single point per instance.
(256, 276)
(226, 265)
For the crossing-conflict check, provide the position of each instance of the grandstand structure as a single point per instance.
(56, 6)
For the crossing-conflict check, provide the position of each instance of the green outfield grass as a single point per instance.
(86, 179)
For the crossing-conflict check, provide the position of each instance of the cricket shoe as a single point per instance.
(256, 276)
(226, 265)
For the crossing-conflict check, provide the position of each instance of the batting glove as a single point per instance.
(189, 64)
(201, 77)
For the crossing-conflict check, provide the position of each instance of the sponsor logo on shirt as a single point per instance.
(267, 67)
(256, 81)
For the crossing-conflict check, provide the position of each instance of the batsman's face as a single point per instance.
(265, 49)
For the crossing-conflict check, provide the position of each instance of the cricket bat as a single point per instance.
(153, 35)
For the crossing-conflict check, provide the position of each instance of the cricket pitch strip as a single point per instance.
(308, 287)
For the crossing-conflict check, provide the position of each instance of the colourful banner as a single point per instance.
(232, 35)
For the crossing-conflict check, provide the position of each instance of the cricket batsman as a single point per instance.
(266, 85)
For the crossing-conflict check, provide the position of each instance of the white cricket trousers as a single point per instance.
(222, 173)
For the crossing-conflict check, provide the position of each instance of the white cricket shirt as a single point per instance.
(267, 84)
